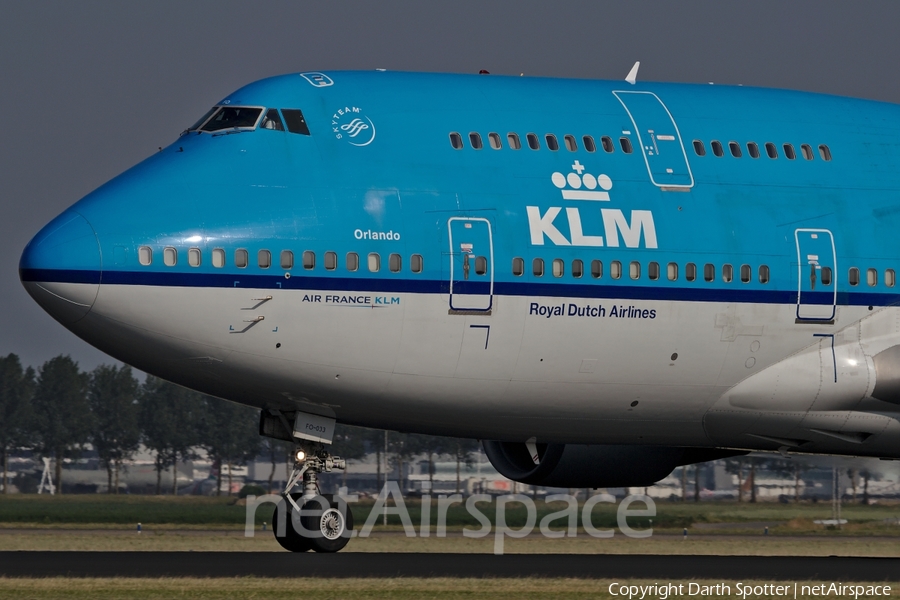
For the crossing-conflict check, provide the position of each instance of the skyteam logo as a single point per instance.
(581, 186)
(350, 124)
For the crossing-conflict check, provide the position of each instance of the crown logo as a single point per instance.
(576, 186)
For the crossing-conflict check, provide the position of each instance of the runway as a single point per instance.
(362, 564)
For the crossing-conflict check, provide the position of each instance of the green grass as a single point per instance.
(44, 510)
(353, 589)
(100, 508)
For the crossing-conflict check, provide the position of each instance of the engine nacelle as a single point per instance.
(593, 466)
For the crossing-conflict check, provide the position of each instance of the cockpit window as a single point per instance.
(272, 121)
(232, 117)
(203, 119)
(295, 121)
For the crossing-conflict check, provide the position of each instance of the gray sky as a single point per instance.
(91, 88)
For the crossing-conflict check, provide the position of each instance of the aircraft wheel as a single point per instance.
(292, 541)
(330, 526)
(328, 530)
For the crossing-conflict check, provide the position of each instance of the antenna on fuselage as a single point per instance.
(632, 74)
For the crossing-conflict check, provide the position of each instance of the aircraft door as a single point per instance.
(471, 264)
(816, 270)
(659, 139)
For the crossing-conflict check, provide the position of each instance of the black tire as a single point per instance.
(328, 529)
(331, 526)
(291, 540)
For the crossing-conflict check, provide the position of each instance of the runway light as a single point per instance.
(300, 455)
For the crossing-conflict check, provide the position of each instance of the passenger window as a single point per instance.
(615, 269)
(763, 274)
(309, 260)
(672, 271)
(607, 144)
(853, 276)
(513, 140)
(872, 277)
(709, 272)
(374, 262)
(789, 151)
(634, 270)
(294, 120)
(170, 256)
(480, 265)
(416, 263)
(806, 150)
(518, 266)
(218, 258)
(596, 269)
(826, 275)
(588, 143)
(264, 259)
(745, 273)
(753, 149)
(494, 140)
(653, 271)
(395, 263)
(771, 150)
(571, 144)
(241, 258)
(456, 141)
(330, 261)
(533, 141)
(552, 144)
(475, 141)
(145, 255)
(577, 269)
(194, 257)
(727, 273)
(735, 149)
(717, 148)
(352, 261)
(559, 268)
(890, 277)
(272, 121)
(537, 267)
(626, 145)
(690, 271)
(699, 148)
(824, 152)
(287, 259)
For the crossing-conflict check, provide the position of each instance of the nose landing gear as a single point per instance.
(312, 521)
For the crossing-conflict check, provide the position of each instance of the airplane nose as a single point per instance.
(60, 267)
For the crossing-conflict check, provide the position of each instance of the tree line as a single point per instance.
(58, 410)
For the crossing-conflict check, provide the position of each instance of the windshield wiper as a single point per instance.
(229, 132)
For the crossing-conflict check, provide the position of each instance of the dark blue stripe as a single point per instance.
(698, 292)
(59, 275)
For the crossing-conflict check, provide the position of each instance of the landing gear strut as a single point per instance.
(312, 521)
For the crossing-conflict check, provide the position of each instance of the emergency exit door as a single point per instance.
(471, 264)
(816, 269)
(659, 139)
